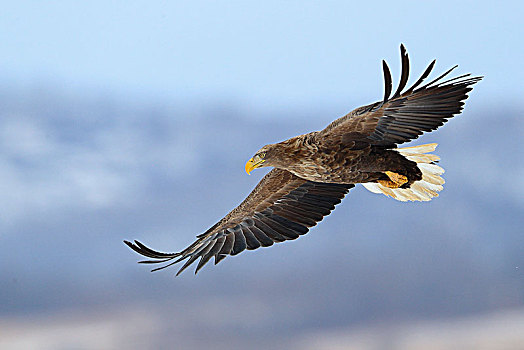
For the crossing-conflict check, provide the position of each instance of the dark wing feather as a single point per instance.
(404, 71)
(406, 115)
(282, 207)
(388, 81)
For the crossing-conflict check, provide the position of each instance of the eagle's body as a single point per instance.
(314, 171)
(313, 157)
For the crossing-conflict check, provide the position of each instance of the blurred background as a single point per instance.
(134, 119)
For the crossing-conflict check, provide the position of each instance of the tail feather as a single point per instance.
(422, 190)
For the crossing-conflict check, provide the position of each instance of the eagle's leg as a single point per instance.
(395, 180)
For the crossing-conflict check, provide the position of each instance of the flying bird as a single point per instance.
(313, 172)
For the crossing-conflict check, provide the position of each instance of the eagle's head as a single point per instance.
(278, 155)
(265, 156)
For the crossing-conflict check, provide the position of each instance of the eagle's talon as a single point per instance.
(395, 180)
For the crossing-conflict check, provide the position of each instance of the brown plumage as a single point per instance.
(313, 172)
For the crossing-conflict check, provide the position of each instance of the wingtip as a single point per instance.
(403, 50)
(133, 246)
(404, 73)
(388, 83)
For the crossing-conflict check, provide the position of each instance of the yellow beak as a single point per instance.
(251, 164)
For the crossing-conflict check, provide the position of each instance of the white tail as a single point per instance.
(422, 190)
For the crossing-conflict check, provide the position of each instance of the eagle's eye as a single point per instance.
(262, 155)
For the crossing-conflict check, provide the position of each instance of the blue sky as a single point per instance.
(133, 120)
(269, 54)
(275, 56)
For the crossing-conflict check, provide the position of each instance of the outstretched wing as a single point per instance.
(404, 115)
(281, 207)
